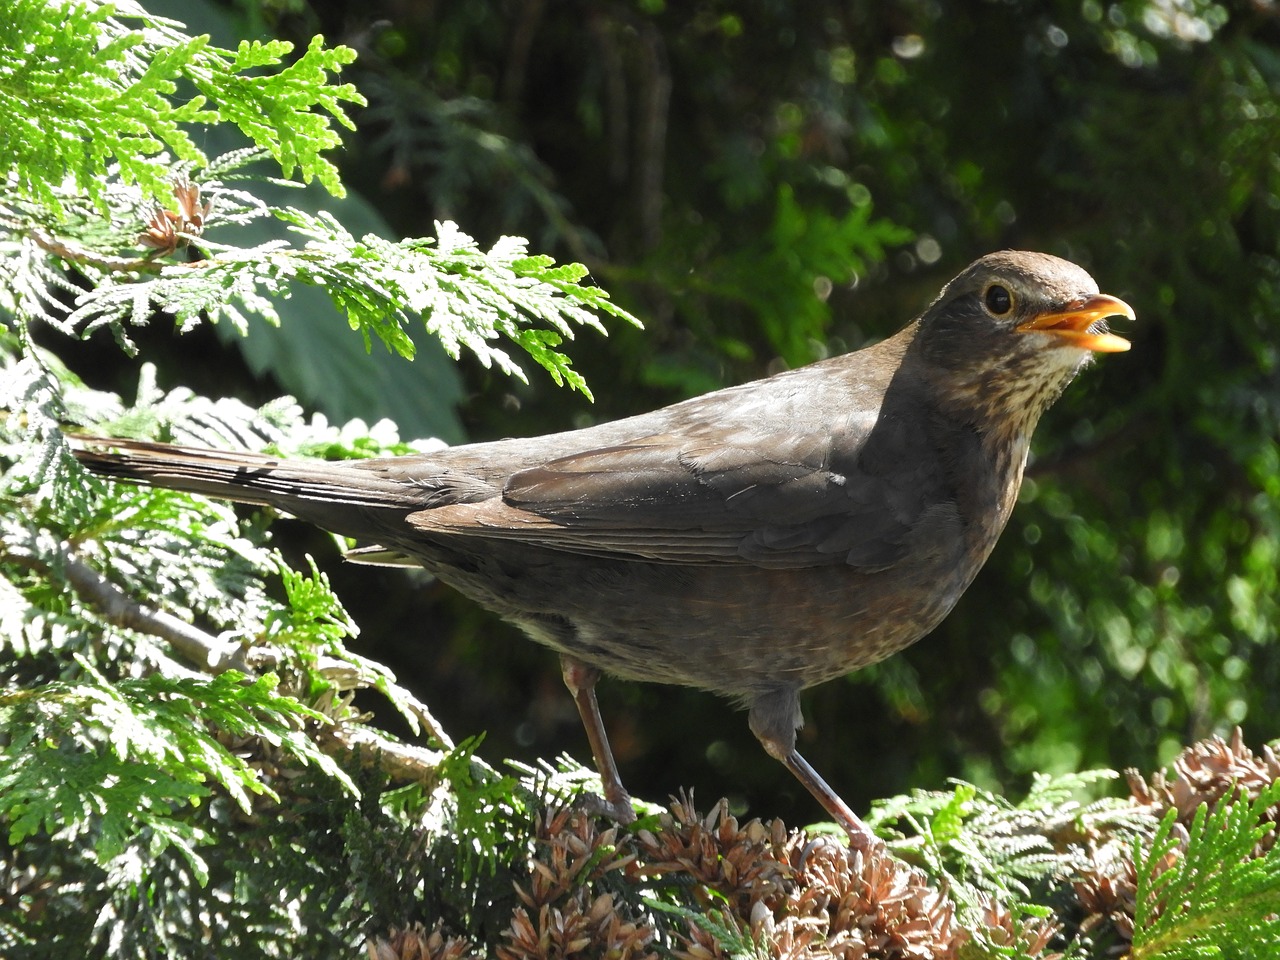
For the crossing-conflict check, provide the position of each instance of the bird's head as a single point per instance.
(1011, 331)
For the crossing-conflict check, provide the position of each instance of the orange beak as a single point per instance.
(1073, 322)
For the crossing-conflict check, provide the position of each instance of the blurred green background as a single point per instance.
(767, 183)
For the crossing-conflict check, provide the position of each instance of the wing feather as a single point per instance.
(709, 500)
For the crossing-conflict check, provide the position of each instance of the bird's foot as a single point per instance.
(619, 809)
(861, 836)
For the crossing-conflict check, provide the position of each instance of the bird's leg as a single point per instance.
(581, 681)
(861, 836)
(774, 719)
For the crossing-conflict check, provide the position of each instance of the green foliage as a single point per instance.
(466, 298)
(722, 926)
(1211, 890)
(128, 193)
(984, 846)
(109, 762)
(803, 247)
(275, 108)
(93, 85)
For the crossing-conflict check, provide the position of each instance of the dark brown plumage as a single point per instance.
(752, 542)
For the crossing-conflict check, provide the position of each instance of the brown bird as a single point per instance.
(754, 541)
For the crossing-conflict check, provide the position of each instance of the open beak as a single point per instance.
(1080, 324)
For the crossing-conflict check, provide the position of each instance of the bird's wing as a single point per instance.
(767, 499)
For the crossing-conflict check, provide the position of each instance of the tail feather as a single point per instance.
(329, 494)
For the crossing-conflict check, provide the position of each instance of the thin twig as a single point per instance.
(400, 761)
(76, 254)
(201, 649)
(214, 655)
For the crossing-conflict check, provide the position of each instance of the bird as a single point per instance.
(754, 541)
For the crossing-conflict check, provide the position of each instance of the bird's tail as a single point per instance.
(318, 491)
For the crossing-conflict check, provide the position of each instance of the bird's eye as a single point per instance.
(998, 299)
